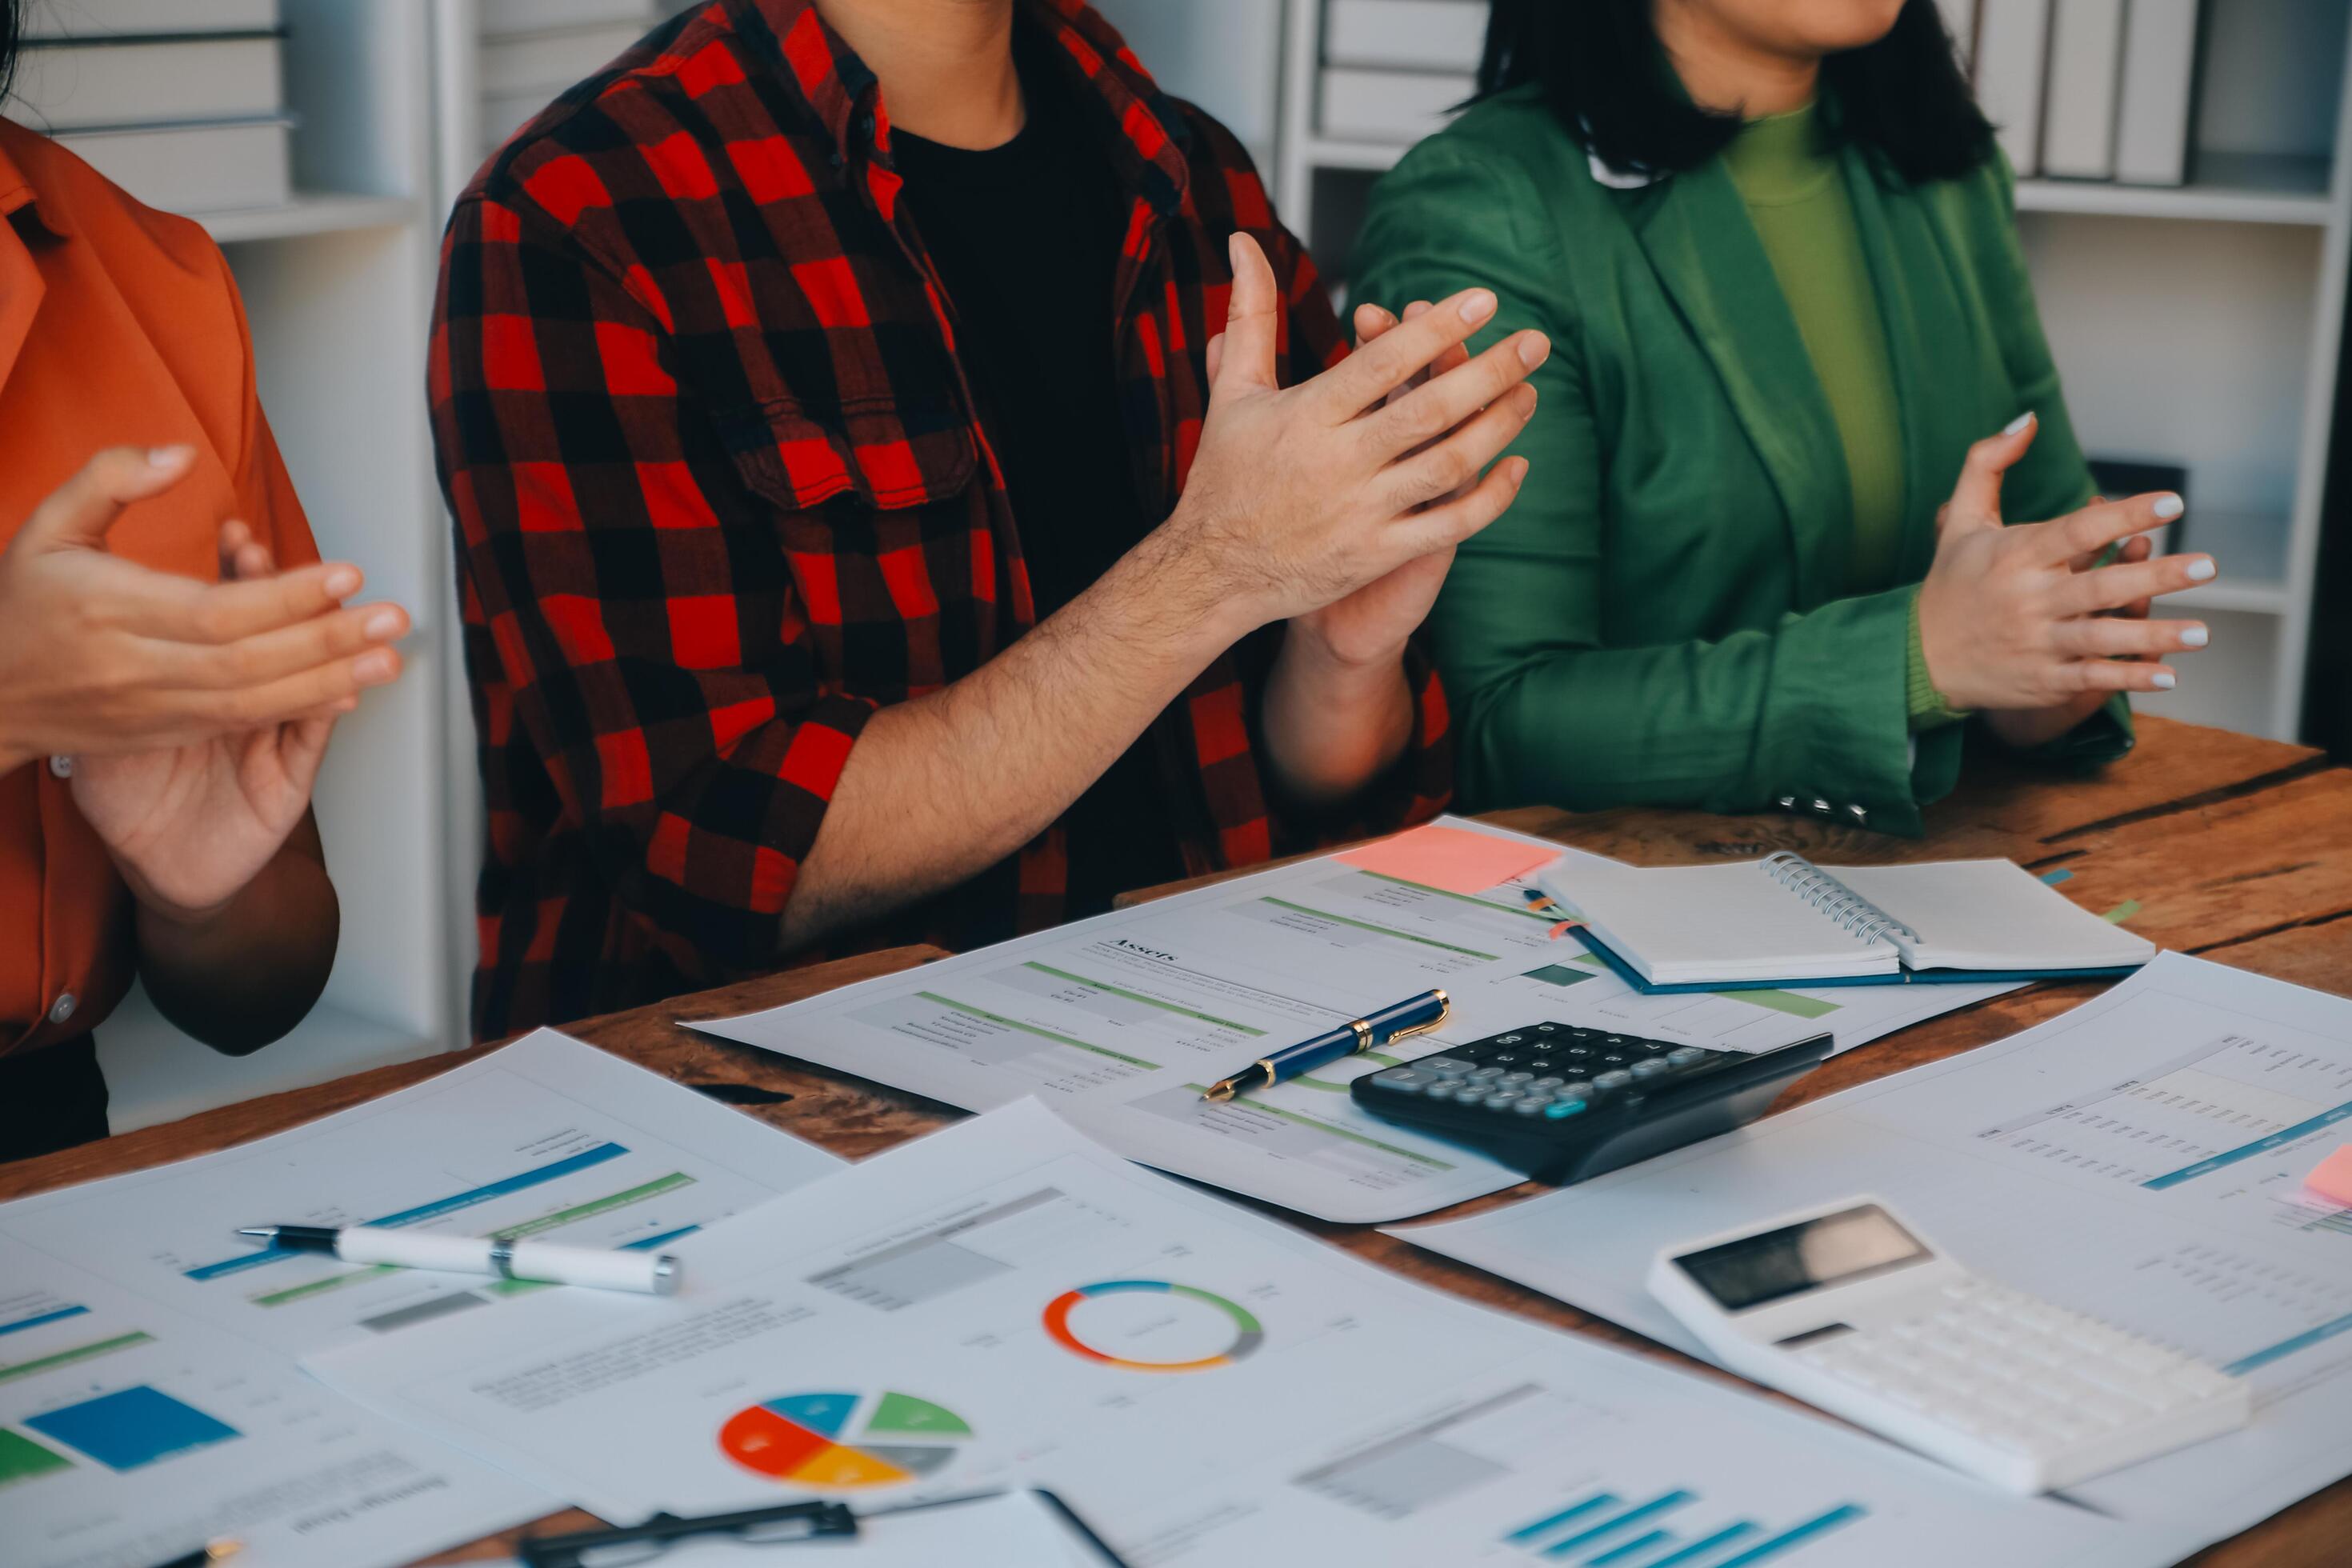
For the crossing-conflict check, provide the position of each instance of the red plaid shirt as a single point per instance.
(721, 492)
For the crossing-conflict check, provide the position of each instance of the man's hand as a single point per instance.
(1300, 497)
(98, 656)
(2023, 620)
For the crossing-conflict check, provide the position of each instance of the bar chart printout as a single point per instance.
(1668, 1530)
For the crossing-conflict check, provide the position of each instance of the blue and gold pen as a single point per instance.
(1414, 1016)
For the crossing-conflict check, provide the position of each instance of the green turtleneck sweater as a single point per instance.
(1794, 190)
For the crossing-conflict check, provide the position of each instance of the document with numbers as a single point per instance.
(1119, 1022)
(2139, 1159)
(1004, 1303)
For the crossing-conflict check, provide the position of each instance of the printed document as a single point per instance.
(1005, 1303)
(150, 1395)
(549, 1138)
(1118, 1023)
(2138, 1158)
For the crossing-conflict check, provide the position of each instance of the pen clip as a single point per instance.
(1444, 1010)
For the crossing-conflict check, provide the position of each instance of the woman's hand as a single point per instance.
(2024, 625)
(98, 656)
(191, 826)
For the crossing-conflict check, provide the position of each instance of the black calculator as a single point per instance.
(1563, 1103)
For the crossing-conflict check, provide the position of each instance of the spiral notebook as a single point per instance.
(1783, 920)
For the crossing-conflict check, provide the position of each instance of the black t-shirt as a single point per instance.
(1027, 239)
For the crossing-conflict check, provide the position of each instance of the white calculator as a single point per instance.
(1845, 1307)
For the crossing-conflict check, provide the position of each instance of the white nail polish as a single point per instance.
(2200, 571)
(2167, 508)
(2164, 681)
(2019, 422)
(2195, 636)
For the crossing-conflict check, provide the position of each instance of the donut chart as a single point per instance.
(1193, 1313)
(844, 1442)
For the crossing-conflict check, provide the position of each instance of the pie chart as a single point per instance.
(1152, 1325)
(844, 1442)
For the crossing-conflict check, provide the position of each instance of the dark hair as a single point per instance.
(12, 35)
(1606, 76)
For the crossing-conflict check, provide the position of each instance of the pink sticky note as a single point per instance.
(1452, 859)
(2331, 1179)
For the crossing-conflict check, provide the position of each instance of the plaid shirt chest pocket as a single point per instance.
(889, 529)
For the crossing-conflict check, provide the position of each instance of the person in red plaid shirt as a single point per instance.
(908, 486)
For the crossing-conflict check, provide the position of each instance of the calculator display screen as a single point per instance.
(1795, 1258)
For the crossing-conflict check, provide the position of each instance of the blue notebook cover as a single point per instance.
(1632, 976)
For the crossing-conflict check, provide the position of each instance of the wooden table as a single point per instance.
(2234, 848)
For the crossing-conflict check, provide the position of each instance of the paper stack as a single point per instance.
(532, 50)
(1395, 71)
(180, 102)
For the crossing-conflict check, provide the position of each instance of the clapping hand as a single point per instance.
(2026, 624)
(196, 714)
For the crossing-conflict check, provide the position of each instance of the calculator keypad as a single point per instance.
(2016, 1373)
(1545, 1072)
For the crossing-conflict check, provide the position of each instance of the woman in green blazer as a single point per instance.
(1758, 559)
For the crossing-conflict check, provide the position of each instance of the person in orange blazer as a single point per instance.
(173, 654)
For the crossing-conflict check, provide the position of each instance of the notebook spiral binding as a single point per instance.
(1852, 912)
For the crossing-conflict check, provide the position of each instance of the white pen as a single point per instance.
(649, 1273)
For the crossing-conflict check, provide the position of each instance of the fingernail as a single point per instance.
(373, 668)
(2195, 636)
(1521, 477)
(1478, 305)
(2019, 422)
(348, 705)
(2169, 506)
(2200, 571)
(344, 581)
(382, 626)
(1234, 249)
(168, 457)
(2163, 680)
(1534, 349)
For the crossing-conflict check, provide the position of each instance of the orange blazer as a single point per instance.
(119, 326)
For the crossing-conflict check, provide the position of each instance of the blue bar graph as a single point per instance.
(1700, 1548)
(1790, 1540)
(1603, 1530)
(1609, 1527)
(1546, 1526)
(44, 1318)
(554, 1171)
(1633, 1548)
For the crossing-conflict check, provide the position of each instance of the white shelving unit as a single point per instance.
(338, 285)
(2197, 325)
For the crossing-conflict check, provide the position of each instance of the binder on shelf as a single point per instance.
(2078, 115)
(1960, 21)
(1409, 34)
(507, 18)
(2160, 79)
(207, 167)
(547, 63)
(74, 84)
(1391, 105)
(2012, 46)
(115, 19)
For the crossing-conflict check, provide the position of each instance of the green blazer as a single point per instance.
(1662, 618)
